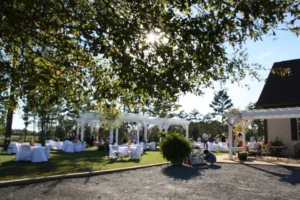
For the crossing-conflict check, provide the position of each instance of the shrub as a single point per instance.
(175, 148)
(162, 134)
(275, 151)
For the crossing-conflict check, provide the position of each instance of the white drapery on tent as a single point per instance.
(246, 118)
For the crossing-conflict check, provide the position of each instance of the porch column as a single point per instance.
(82, 131)
(145, 133)
(92, 128)
(111, 134)
(230, 137)
(160, 129)
(77, 131)
(138, 134)
(244, 124)
(187, 131)
(117, 135)
(96, 131)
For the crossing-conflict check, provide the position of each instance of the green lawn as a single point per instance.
(220, 153)
(66, 163)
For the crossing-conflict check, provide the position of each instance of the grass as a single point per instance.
(66, 163)
(220, 153)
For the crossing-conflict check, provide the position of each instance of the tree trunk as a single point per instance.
(10, 115)
(42, 133)
(8, 132)
(25, 133)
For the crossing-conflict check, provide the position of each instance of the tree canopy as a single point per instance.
(221, 103)
(100, 50)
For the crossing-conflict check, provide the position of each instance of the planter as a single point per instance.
(177, 162)
(242, 156)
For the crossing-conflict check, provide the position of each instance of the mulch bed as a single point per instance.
(271, 159)
(278, 159)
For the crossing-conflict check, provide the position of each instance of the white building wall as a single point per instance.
(281, 128)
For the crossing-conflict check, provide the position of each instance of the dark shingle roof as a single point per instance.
(282, 91)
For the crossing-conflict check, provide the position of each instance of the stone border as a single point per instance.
(73, 175)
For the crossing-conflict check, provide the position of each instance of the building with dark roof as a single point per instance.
(282, 91)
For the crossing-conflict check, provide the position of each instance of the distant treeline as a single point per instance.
(21, 132)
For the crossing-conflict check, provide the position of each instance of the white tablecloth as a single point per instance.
(29, 153)
(38, 154)
(55, 144)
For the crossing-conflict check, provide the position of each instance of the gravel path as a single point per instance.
(222, 181)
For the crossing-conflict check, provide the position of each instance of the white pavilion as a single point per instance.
(93, 119)
(246, 118)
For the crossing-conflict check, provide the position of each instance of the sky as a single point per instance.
(283, 46)
(266, 52)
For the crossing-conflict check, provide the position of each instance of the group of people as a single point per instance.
(71, 136)
(132, 137)
(210, 138)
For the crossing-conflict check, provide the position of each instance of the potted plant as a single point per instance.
(242, 155)
(276, 147)
(175, 148)
(297, 149)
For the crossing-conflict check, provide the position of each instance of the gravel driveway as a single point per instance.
(222, 181)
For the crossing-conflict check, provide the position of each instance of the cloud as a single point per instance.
(264, 55)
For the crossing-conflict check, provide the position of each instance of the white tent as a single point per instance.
(246, 117)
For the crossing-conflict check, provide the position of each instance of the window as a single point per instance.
(298, 128)
(295, 129)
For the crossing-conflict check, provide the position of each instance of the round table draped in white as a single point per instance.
(38, 154)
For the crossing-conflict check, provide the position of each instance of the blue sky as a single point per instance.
(266, 52)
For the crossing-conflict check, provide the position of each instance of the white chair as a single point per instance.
(47, 151)
(136, 153)
(24, 153)
(143, 144)
(112, 153)
(123, 151)
(64, 147)
(37, 144)
(115, 147)
(70, 148)
(10, 149)
(152, 146)
(52, 144)
(224, 146)
(78, 147)
(214, 147)
(59, 145)
(18, 147)
(83, 146)
(141, 150)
